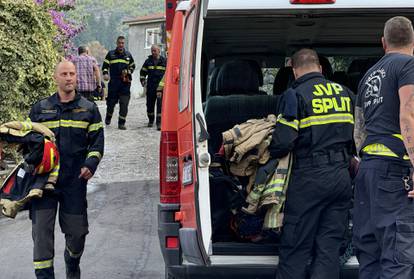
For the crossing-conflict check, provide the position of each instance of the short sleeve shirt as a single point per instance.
(84, 69)
(378, 97)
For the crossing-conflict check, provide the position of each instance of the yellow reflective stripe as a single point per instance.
(106, 61)
(142, 77)
(74, 124)
(95, 127)
(294, 124)
(151, 67)
(160, 68)
(95, 154)
(43, 264)
(144, 69)
(326, 119)
(275, 188)
(398, 136)
(406, 157)
(66, 123)
(115, 61)
(379, 150)
(51, 124)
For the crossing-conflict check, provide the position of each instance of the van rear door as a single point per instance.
(194, 238)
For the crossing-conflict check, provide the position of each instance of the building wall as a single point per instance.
(136, 45)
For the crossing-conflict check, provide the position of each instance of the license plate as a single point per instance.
(188, 173)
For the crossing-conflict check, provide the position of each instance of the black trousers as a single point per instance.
(70, 202)
(111, 102)
(152, 98)
(383, 221)
(315, 221)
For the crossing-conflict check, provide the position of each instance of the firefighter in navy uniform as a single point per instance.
(316, 124)
(151, 74)
(76, 123)
(383, 232)
(120, 65)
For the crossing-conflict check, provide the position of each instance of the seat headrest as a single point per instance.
(326, 67)
(237, 77)
(340, 77)
(283, 79)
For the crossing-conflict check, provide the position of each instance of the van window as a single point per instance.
(186, 62)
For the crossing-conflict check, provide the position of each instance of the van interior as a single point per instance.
(245, 69)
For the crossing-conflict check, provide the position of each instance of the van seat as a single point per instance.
(238, 77)
(223, 112)
(341, 77)
(283, 79)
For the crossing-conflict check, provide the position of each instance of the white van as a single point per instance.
(227, 64)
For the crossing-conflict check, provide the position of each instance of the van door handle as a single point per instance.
(203, 131)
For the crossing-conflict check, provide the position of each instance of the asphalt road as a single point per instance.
(122, 242)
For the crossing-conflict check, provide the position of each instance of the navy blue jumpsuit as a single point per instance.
(79, 135)
(316, 124)
(118, 89)
(153, 70)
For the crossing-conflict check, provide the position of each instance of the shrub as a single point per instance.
(28, 55)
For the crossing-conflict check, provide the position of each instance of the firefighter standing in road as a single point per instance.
(120, 65)
(384, 136)
(76, 123)
(154, 68)
(316, 124)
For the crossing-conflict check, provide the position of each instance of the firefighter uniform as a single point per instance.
(120, 66)
(153, 71)
(79, 135)
(316, 124)
(384, 223)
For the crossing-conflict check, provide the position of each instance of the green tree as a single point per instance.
(28, 55)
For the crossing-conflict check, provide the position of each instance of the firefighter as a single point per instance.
(120, 65)
(316, 125)
(76, 123)
(383, 232)
(151, 74)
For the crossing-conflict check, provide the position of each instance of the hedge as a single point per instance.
(28, 56)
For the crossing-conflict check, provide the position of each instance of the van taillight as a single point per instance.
(312, 1)
(169, 180)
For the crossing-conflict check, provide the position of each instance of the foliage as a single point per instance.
(68, 28)
(27, 57)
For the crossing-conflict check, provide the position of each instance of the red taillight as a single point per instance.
(172, 242)
(312, 1)
(169, 180)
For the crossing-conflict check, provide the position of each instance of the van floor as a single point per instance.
(239, 248)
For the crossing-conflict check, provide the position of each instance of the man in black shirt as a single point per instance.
(316, 124)
(384, 137)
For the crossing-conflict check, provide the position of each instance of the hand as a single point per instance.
(85, 173)
(106, 77)
(411, 193)
(159, 94)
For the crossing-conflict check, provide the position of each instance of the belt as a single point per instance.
(317, 160)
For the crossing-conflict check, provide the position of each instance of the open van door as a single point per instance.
(194, 238)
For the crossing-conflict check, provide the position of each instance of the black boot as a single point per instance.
(108, 120)
(72, 266)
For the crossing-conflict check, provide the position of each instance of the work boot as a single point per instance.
(121, 127)
(158, 127)
(107, 120)
(73, 274)
(72, 266)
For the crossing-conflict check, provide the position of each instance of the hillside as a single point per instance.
(103, 18)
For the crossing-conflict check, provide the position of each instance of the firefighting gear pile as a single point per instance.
(247, 156)
(37, 172)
